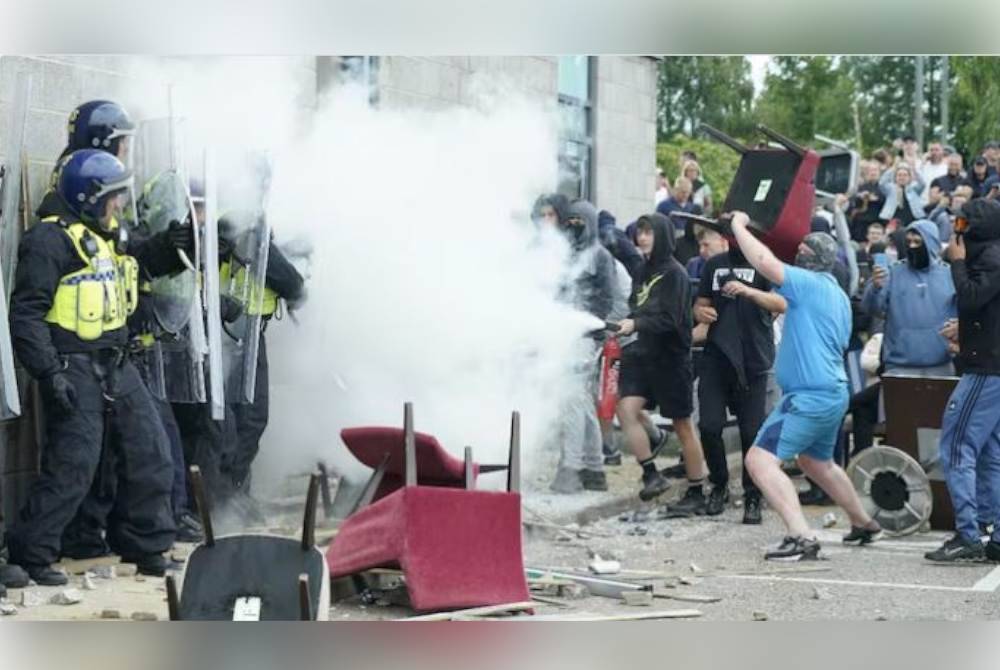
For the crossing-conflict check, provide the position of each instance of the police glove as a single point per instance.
(181, 236)
(61, 390)
(230, 308)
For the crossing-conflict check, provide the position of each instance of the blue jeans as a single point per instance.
(970, 453)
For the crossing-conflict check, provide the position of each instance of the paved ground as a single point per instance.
(718, 557)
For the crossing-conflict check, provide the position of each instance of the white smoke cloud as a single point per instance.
(429, 283)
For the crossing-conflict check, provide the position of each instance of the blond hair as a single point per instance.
(688, 165)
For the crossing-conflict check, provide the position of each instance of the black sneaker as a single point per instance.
(751, 510)
(692, 504)
(794, 549)
(859, 537)
(992, 551)
(189, 528)
(674, 471)
(717, 499)
(593, 480)
(653, 485)
(46, 575)
(612, 455)
(815, 496)
(13, 576)
(957, 550)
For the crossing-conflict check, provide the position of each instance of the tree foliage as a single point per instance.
(716, 90)
(718, 162)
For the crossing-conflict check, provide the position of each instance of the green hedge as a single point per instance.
(718, 162)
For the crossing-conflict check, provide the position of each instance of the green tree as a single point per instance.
(806, 95)
(717, 161)
(975, 102)
(717, 90)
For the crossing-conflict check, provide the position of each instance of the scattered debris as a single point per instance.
(636, 516)
(637, 531)
(759, 615)
(638, 598)
(695, 569)
(590, 616)
(881, 617)
(103, 571)
(550, 601)
(144, 616)
(475, 612)
(829, 520)
(31, 598)
(573, 591)
(110, 614)
(689, 581)
(66, 597)
(600, 566)
(87, 582)
(606, 588)
(819, 593)
(7, 609)
(125, 569)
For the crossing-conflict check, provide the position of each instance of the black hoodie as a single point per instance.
(660, 302)
(977, 286)
(592, 266)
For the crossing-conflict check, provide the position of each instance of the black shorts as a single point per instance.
(666, 382)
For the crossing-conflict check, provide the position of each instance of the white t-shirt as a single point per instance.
(929, 172)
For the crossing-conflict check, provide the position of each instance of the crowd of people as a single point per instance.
(901, 275)
(116, 443)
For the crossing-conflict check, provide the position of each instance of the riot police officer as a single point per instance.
(74, 289)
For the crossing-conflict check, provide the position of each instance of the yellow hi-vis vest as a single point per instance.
(246, 292)
(99, 297)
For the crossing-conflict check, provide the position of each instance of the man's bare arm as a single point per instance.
(756, 252)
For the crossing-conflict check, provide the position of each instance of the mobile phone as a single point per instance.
(882, 261)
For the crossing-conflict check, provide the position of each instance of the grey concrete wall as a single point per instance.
(625, 136)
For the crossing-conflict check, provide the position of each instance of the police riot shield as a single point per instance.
(244, 284)
(211, 290)
(175, 300)
(11, 174)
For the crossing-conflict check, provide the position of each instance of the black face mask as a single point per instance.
(918, 258)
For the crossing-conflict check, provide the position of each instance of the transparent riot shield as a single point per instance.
(211, 291)
(245, 285)
(10, 229)
(175, 299)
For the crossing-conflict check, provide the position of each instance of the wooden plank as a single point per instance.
(474, 612)
(590, 616)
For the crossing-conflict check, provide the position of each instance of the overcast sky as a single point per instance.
(758, 65)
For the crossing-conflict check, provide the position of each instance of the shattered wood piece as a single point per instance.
(144, 616)
(638, 598)
(7, 609)
(66, 597)
(637, 616)
(759, 615)
(474, 612)
(110, 614)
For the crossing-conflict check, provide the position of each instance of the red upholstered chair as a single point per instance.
(775, 187)
(457, 547)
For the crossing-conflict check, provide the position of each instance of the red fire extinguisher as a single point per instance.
(611, 360)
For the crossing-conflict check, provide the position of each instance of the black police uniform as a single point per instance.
(112, 405)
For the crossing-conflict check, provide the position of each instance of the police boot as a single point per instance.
(13, 576)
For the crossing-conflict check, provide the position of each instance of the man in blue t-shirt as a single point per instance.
(810, 371)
